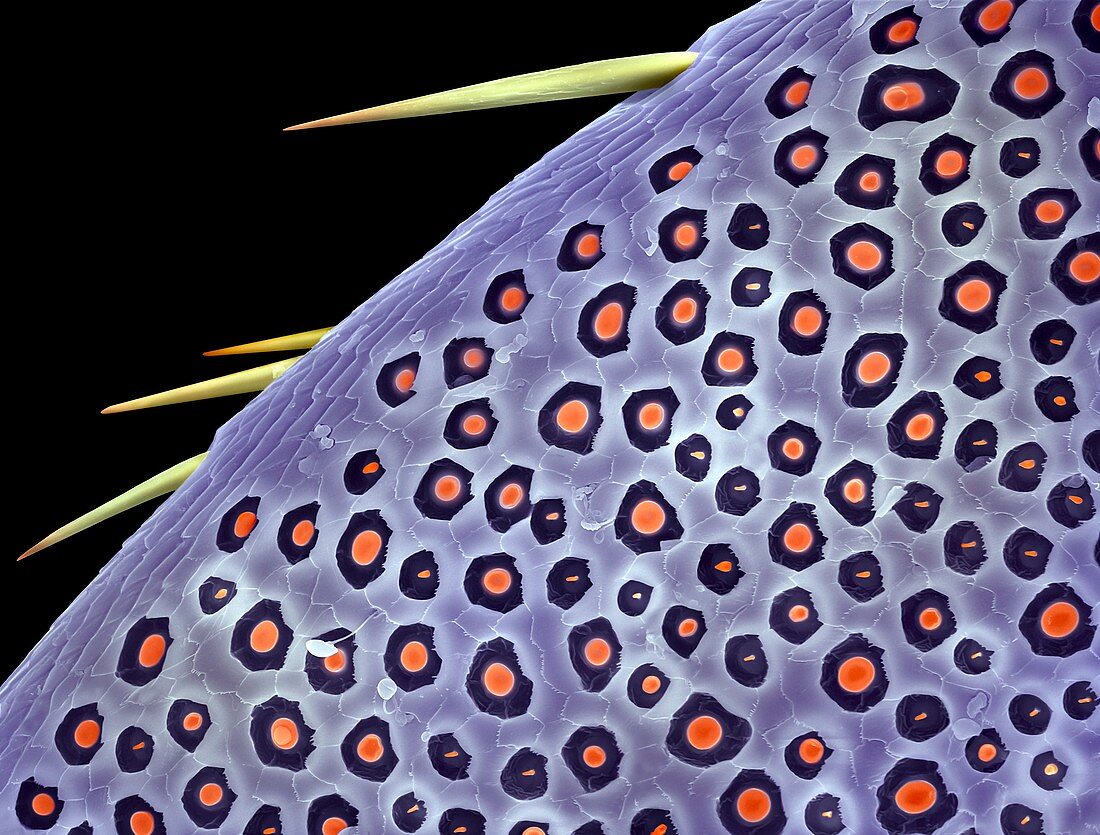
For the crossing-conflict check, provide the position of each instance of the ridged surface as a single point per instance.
(290, 447)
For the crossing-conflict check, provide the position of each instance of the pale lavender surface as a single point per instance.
(290, 445)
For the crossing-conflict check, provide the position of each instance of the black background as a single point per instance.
(163, 213)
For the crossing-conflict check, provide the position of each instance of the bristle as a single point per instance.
(160, 484)
(242, 382)
(597, 78)
(293, 342)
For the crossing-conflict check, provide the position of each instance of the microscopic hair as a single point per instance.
(733, 469)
